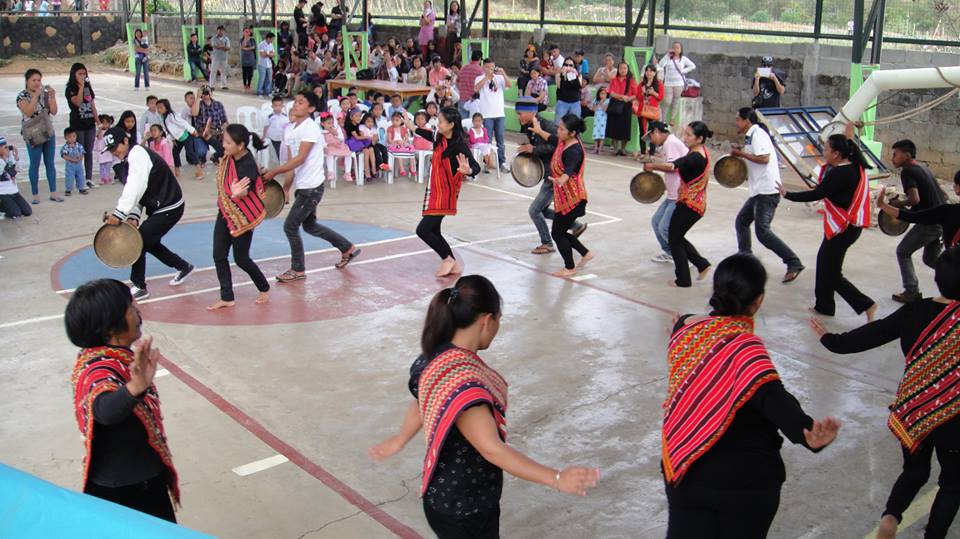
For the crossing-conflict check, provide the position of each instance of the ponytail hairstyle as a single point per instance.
(701, 131)
(239, 134)
(574, 124)
(737, 282)
(849, 149)
(947, 274)
(457, 308)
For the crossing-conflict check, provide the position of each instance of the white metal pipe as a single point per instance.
(891, 79)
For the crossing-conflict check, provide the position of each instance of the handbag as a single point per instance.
(691, 88)
(650, 112)
(38, 129)
(616, 107)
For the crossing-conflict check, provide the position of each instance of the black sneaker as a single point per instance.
(67, 193)
(181, 275)
(139, 293)
(82, 191)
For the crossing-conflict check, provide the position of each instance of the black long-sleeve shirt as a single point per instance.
(542, 147)
(572, 157)
(945, 215)
(906, 324)
(747, 456)
(120, 454)
(454, 148)
(839, 184)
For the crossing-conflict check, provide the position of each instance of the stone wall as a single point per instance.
(58, 37)
(167, 33)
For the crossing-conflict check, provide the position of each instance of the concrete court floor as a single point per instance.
(585, 361)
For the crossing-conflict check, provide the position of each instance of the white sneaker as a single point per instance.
(181, 275)
(91, 185)
(662, 258)
(139, 293)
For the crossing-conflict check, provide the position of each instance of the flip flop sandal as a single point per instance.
(345, 258)
(289, 276)
(542, 250)
(791, 275)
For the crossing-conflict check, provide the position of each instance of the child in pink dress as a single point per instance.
(335, 147)
(104, 158)
(159, 144)
(419, 143)
(480, 142)
(398, 138)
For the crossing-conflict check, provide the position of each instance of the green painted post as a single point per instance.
(258, 37)
(630, 55)
(466, 49)
(361, 58)
(858, 75)
(131, 28)
(185, 32)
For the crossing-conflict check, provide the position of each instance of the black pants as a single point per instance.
(380, 152)
(429, 232)
(276, 148)
(564, 240)
(152, 231)
(830, 277)
(216, 142)
(87, 138)
(148, 497)
(683, 251)
(303, 213)
(247, 75)
(703, 513)
(916, 470)
(222, 242)
(188, 145)
(15, 206)
(478, 526)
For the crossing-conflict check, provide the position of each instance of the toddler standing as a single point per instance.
(72, 153)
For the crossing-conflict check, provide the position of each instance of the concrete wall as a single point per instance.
(58, 37)
(167, 33)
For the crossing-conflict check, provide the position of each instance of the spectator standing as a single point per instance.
(300, 23)
(607, 72)
(83, 114)
(141, 54)
(427, 20)
(265, 69)
(284, 42)
(673, 70)
(669, 148)
(454, 26)
(769, 83)
(491, 85)
(195, 59)
(219, 64)
(337, 15)
(623, 92)
(72, 154)
(527, 63)
(649, 92)
(466, 83)
(248, 58)
(569, 84)
(35, 101)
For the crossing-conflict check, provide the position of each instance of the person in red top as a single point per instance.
(845, 192)
(466, 80)
(623, 92)
(569, 191)
(452, 160)
(649, 92)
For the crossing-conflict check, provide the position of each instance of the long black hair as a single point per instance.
(457, 308)
(701, 130)
(123, 117)
(96, 312)
(750, 114)
(947, 274)
(737, 282)
(239, 134)
(457, 136)
(72, 79)
(849, 149)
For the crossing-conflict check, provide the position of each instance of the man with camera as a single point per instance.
(768, 85)
(491, 85)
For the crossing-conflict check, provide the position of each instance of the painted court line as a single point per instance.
(161, 372)
(584, 277)
(528, 197)
(260, 465)
(254, 427)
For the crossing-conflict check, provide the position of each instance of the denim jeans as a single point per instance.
(926, 237)
(45, 152)
(540, 211)
(564, 108)
(761, 209)
(303, 213)
(142, 65)
(73, 174)
(265, 83)
(495, 127)
(464, 113)
(661, 223)
(197, 67)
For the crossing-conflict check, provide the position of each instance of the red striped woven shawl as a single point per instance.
(451, 383)
(101, 370)
(244, 213)
(443, 190)
(567, 196)
(694, 194)
(716, 365)
(929, 393)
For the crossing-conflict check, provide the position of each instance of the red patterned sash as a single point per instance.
(716, 365)
(244, 213)
(836, 219)
(929, 393)
(101, 370)
(567, 196)
(694, 194)
(451, 383)
(443, 190)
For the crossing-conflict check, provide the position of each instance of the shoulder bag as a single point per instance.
(38, 129)
(691, 88)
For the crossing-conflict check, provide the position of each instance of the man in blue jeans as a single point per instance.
(540, 209)
(669, 149)
(763, 176)
(491, 85)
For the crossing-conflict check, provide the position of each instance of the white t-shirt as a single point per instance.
(265, 47)
(276, 123)
(186, 114)
(491, 101)
(762, 179)
(672, 149)
(558, 62)
(310, 174)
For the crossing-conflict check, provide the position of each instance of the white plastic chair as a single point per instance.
(391, 161)
(249, 117)
(265, 110)
(424, 160)
(287, 107)
(333, 107)
(358, 175)
(478, 157)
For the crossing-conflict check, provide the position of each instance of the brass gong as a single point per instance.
(730, 171)
(647, 187)
(891, 226)
(527, 170)
(118, 246)
(273, 198)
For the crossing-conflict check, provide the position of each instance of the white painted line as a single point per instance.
(30, 321)
(528, 197)
(260, 465)
(584, 277)
(161, 372)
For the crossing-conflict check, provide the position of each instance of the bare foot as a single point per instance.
(703, 274)
(221, 305)
(263, 297)
(457, 268)
(887, 528)
(586, 258)
(871, 312)
(446, 267)
(672, 283)
(565, 273)
(199, 173)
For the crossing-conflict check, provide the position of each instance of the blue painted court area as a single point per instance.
(194, 242)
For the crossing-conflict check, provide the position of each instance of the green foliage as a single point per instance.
(760, 15)
(160, 6)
